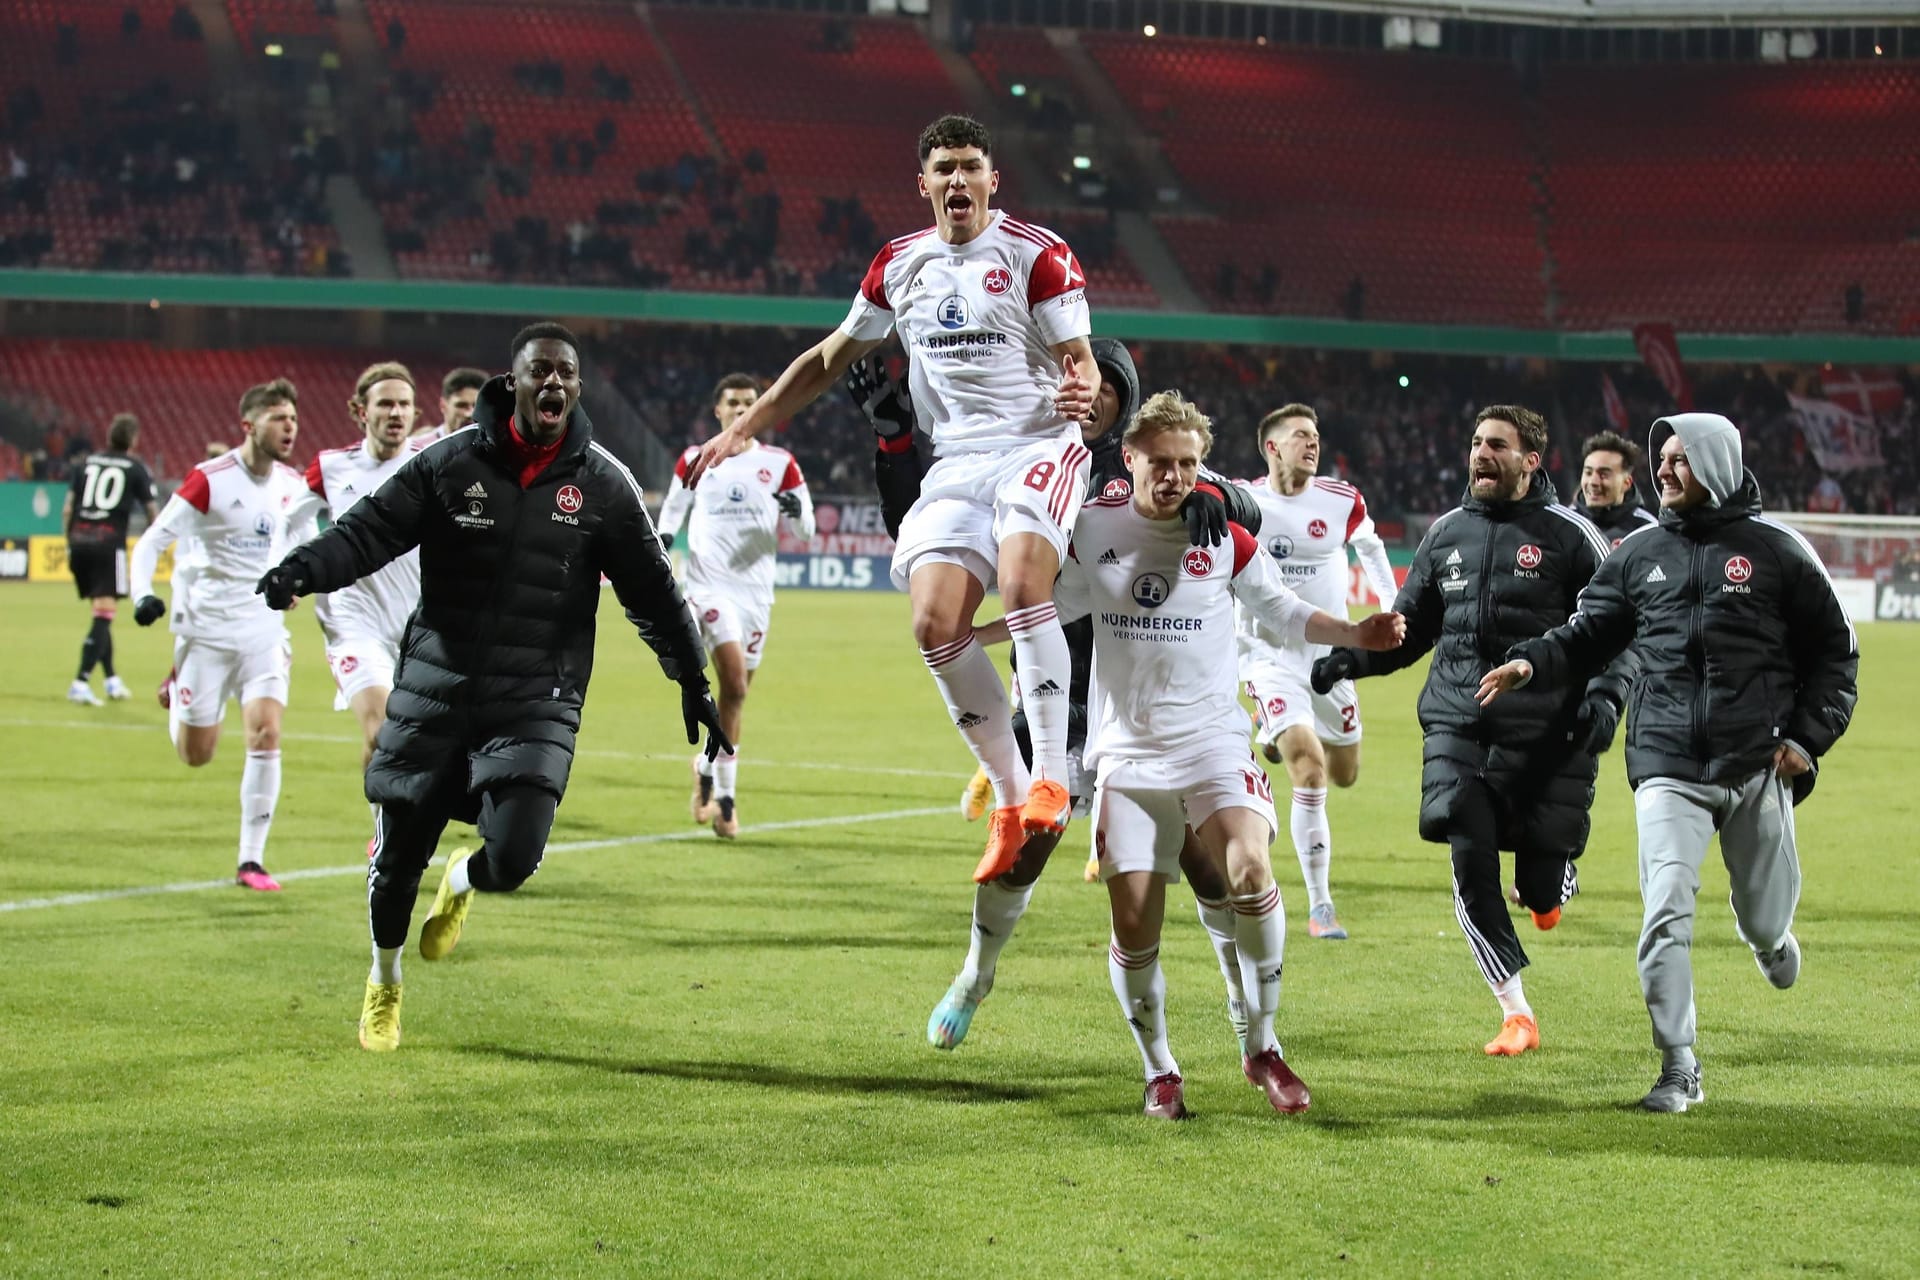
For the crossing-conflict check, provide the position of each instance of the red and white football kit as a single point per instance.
(1166, 732)
(363, 623)
(1307, 535)
(978, 321)
(733, 533)
(232, 526)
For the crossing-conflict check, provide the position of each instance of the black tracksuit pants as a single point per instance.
(514, 820)
(1544, 881)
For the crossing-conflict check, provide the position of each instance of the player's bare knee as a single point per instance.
(1307, 774)
(1248, 869)
(1203, 876)
(934, 627)
(264, 737)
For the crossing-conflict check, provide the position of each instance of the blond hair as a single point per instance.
(1169, 411)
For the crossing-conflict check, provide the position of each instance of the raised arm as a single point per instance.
(1601, 628)
(812, 374)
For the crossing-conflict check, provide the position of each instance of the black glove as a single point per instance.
(1341, 664)
(149, 610)
(886, 402)
(666, 542)
(696, 706)
(788, 501)
(280, 585)
(1205, 511)
(1599, 717)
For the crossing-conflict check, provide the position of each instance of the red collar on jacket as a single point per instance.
(528, 458)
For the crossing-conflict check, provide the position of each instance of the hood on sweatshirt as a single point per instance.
(1116, 366)
(1713, 450)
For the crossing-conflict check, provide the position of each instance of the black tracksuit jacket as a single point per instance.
(1742, 644)
(1487, 576)
(495, 660)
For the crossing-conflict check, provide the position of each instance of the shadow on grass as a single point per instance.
(769, 1076)
(1840, 1133)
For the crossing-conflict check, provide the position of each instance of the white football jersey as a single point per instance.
(377, 606)
(977, 320)
(1164, 680)
(734, 530)
(1308, 534)
(232, 527)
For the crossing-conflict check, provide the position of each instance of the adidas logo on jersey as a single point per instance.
(1107, 557)
(476, 490)
(237, 505)
(1453, 557)
(1658, 575)
(346, 489)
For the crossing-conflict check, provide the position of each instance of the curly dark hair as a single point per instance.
(954, 131)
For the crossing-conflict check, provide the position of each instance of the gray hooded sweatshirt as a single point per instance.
(1713, 450)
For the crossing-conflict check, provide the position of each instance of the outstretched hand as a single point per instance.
(716, 451)
(1338, 665)
(698, 709)
(280, 585)
(885, 400)
(1508, 675)
(1380, 632)
(149, 610)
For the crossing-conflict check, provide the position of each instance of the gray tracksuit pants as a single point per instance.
(1677, 820)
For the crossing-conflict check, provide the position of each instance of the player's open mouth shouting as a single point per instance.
(552, 406)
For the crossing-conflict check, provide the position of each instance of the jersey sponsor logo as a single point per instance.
(736, 492)
(1316, 528)
(1281, 547)
(1109, 556)
(569, 499)
(263, 524)
(998, 281)
(1118, 487)
(1528, 556)
(953, 312)
(1739, 569)
(1197, 563)
(1150, 590)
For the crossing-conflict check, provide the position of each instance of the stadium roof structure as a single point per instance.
(1635, 13)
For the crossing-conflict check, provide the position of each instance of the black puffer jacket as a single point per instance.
(1486, 575)
(495, 661)
(1742, 642)
(1617, 521)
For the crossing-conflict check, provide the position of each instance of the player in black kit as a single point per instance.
(105, 489)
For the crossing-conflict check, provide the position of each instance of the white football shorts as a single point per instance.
(1142, 808)
(357, 663)
(971, 502)
(731, 617)
(1280, 684)
(206, 675)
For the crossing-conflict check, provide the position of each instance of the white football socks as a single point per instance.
(386, 964)
(997, 908)
(1513, 1000)
(458, 881)
(1313, 843)
(1217, 918)
(725, 770)
(1260, 930)
(1044, 668)
(259, 792)
(1142, 991)
(977, 703)
(702, 765)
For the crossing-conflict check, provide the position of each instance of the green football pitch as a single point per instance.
(679, 1056)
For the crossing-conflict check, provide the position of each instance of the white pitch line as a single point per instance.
(564, 846)
(892, 771)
